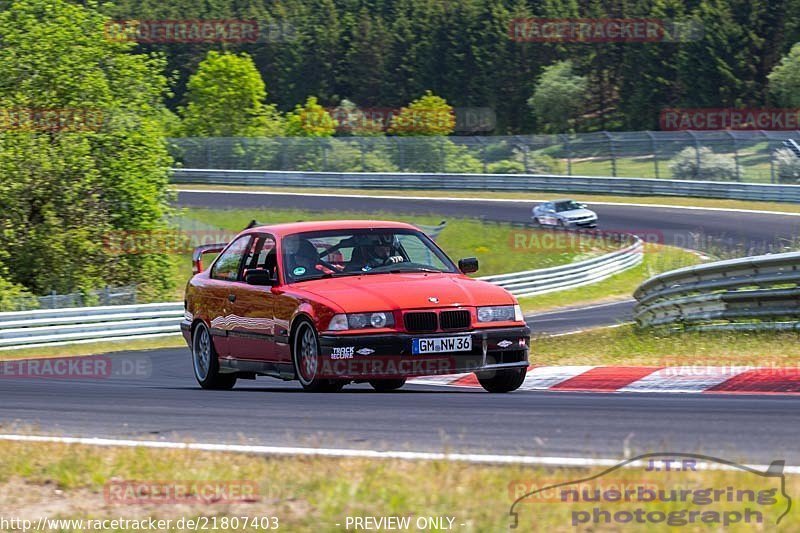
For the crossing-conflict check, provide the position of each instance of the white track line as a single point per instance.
(363, 454)
(464, 199)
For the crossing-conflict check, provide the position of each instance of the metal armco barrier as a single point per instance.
(85, 324)
(543, 280)
(752, 293)
(495, 182)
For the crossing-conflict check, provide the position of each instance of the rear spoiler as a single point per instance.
(197, 255)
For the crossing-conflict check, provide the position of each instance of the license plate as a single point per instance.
(442, 344)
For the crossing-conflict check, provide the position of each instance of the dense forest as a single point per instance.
(385, 53)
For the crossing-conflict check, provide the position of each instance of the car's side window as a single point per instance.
(263, 254)
(227, 266)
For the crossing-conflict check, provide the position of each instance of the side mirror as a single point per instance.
(260, 277)
(468, 265)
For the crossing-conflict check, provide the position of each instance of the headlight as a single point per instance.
(500, 313)
(380, 319)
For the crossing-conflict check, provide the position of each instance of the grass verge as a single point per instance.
(588, 198)
(92, 348)
(74, 481)
(628, 345)
(656, 259)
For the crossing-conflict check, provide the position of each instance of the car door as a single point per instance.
(223, 278)
(252, 332)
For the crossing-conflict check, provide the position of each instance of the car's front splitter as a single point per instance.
(348, 356)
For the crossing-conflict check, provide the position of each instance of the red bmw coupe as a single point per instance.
(330, 303)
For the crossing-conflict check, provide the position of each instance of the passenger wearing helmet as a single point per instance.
(374, 251)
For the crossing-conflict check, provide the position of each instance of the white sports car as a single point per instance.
(564, 214)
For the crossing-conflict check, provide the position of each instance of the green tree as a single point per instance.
(226, 98)
(98, 169)
(558, 97)
(784, 80)
(427, 115)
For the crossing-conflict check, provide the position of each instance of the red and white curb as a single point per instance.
(672, 379)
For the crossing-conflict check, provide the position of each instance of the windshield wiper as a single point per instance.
(399, 270)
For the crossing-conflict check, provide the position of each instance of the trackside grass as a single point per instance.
(657, 259)
(319, 494)
(92, 348)
(628, 345)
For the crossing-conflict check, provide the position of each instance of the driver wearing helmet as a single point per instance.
(375, 251)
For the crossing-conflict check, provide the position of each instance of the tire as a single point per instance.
(387, 385)
(206, 363)
(305, 356)
(500, 381)
(536, 222)
(561, 224)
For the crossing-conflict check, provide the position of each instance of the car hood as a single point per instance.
(577, 213)
(383, 292)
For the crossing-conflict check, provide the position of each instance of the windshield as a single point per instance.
(567, 206)
(313, 255)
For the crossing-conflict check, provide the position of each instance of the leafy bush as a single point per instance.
(458, 159)
(14, 297)
(310, 120)
(712, 167)
(505, 167)
(787, 166)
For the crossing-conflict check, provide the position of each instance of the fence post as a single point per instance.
(611, 149)
(568, 148)
(771, 165)
(106, 296)
(735, 155)
(444, 158)
(696, 150)
(653, 148)
(52, 299)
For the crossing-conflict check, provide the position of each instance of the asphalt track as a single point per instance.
(160, 400)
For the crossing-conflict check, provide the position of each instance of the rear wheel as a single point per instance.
(386, 385)
(305, 354)
(206, 362)
(502, 380)
(537, 222)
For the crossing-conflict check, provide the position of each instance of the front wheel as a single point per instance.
(386, 385)
(502, 380)
(206, 362)
(305, 354)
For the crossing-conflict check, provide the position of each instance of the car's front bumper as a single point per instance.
(588, 223)
(390, 355)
